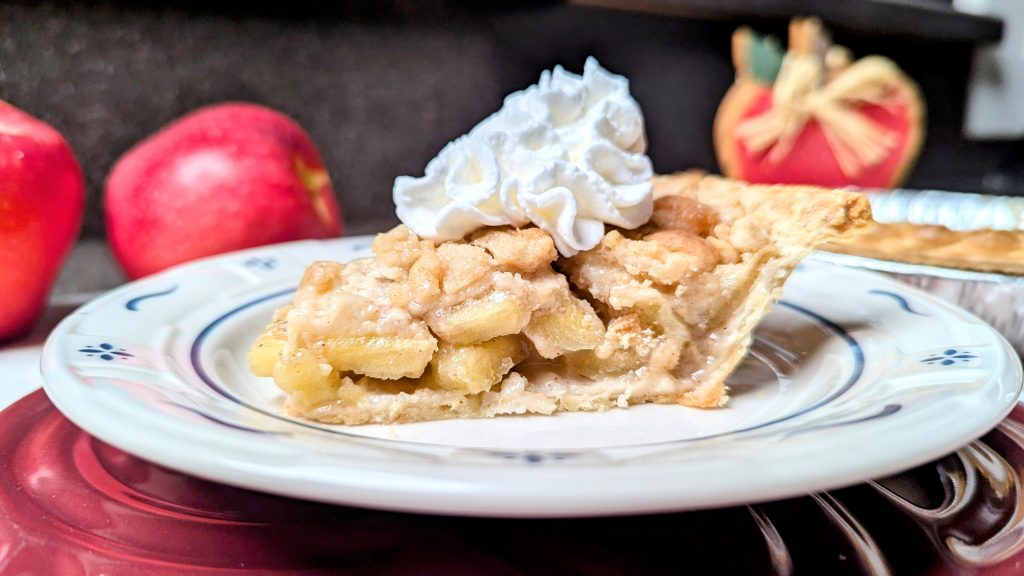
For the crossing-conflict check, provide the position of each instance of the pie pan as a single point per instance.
(995, 297)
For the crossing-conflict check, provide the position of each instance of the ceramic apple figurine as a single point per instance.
(813, 115)
(223, 178)
(42, 196)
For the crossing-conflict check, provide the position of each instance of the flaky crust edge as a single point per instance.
(828, 214)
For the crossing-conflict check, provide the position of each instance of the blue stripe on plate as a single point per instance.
(196, 351)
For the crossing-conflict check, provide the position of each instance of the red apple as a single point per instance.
(223, 178)
(42, 195)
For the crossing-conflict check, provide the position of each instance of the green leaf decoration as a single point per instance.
(764, 58)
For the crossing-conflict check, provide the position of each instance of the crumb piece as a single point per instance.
(525, 250)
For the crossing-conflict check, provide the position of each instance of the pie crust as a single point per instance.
(980, 250)
(497, 324)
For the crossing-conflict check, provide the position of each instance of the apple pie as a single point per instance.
(498, 323)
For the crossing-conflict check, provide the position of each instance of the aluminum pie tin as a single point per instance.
(996, 298)
(954, 210)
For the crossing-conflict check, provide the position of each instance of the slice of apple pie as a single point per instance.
(497, 323)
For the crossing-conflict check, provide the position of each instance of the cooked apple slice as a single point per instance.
(478, 320)
(266, 350)
(264, 354)
(306, 379)
(384, 357)
(572, 326)
(476, 367)
(625, 346)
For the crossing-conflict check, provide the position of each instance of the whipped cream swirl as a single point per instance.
(566, 154)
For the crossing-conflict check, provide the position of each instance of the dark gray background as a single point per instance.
(381, 87)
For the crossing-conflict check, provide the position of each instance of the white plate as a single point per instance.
(852, 376)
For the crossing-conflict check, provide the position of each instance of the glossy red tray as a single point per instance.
(72, 505)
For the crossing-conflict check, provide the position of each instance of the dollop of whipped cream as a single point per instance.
(566, 154)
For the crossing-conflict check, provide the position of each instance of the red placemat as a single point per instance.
(72, 505)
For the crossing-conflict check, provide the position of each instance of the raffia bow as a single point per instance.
(798, 96)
